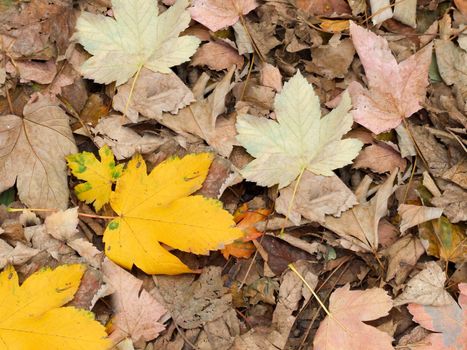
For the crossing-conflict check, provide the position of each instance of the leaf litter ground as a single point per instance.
(233, 174)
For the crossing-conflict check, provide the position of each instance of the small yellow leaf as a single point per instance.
(31, 316)
(99, 175)
(157, 208)
(335, 26)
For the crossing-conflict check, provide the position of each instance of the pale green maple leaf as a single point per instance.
(299, 140)
(136, 38)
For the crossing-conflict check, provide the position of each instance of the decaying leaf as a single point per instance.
(426, 288)
(359, 226)
(403, 256)
(448, 321)
(32, 316)
(380, 158)
(16, 255)
(157, 208)
(218, 14)
(413, 215)
(316, 196)
(217, 55)
(453, 201)
(137, 312)
(99, 175)
(345, 328)
(285, 148)
(136, 38)
(33, 150)
(395, 91)
(153, 94)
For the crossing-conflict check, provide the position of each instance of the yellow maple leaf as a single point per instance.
(99, 175)
(157, 208)
(31, 316)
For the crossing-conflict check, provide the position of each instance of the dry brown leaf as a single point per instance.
(426, 288)
(457, 174)
(201, 118)
(194, 303)
(380, 158)
(218, 14)
(323, 7)
(124, 141)
(453, 201)
(413, 215)
(345, 329)
(402, 258)
(18, 255)
(40, 72)
(271, 77)
(33, 149)
(316, 196)
(358, 226)
(137, 312)
(153, 94)
(217, 55)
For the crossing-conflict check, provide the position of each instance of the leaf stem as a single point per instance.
(130, 95)
(289, 209)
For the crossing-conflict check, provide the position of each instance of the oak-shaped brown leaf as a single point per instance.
(137, 312)
(218, 14)
(32, 153)
(345, 329)
(395, 90)
(449, 321)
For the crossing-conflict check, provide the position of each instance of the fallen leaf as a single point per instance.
(285, 148)
(396, 91)
(380, 11)
(453, 201)
(402, 258)
(457, 174)
(33, 149)
(99, 175)
(323, 7)
(217, 55)
(443, 239)
(271, 77)
(136, 38)
(16, 255)
(413, 215)
(202, 118)
(345, 328)
(449, 323)
(40, 72)
(359, 226)
(194, 303)
(125, 142)
(138, 314)
(32, 316)
(218, 14)
(157, 208)
(153, 94)
(406, 12)
(315, 197)
(426, 288)
(380, 158)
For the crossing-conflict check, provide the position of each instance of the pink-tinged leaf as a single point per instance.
(137, 312)
(217, 56)
(449, 322)
(345, 329)
(395, 91)
(218, 14)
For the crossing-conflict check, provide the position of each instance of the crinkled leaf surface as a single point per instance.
(217, 14)
(299, 140)
(449, 322)
(32, 153)
(345, 330)
(99, 175)
(31, 316)
(395, 90)
(136, 38)
(157, 208)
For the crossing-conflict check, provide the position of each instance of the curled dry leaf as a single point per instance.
(316, 196)
(153, 94)
(16, 255)
(345, 328)
(137, 37)
(138, 314)
(403, 256)
(448, 321)
(426, 288)
(33, 150)
(217, 55)
(380, 158)
(413, 215)
(286, 148)
(395, 90)
(218, 14)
